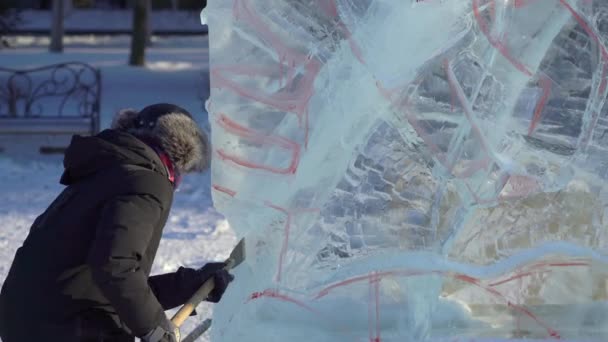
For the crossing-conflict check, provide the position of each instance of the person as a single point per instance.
(82, 273)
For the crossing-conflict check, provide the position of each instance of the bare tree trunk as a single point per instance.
(57, 27)
(149, 23)
(138, 36)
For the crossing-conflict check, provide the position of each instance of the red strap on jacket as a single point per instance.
(174, 176)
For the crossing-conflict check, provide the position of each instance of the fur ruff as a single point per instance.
(177, 134)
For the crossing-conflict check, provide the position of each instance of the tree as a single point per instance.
(57, 26)
(149, 23)
(139, 34)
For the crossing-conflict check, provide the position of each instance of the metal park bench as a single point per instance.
(41, 108)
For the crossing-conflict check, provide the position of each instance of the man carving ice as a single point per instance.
(82, 273)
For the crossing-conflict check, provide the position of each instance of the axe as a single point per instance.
(236, 257)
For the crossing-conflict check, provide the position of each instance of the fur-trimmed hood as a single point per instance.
(173, 130)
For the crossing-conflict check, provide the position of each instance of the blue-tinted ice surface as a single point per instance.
(412, 170)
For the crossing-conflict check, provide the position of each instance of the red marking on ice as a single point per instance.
(270, 293)
(379, 275)
(553, 333)
(427, 139)
(515, 277)
(276, 207)
(545, 84)
(369, 310)
(540, 268)
(284, 247)
(227, 191)
(246, 70)
(247, 14)
(275, 294)
(466, 278)
(377, 301)
(297, 97)
(587, 29)
(354, 47)
(491, 7)
(346, 282)
(604, 52)
(374, 302)
(464, 102)
(562, 264)
(255, 295)
(452, 90)
(403, 105)
(522, 3)
(295, 101)
(463, 277)
(502, 48)
(521, 185)
(249, 134)
(498, 44)
(285, 243)
(569, 264)
(329, 7)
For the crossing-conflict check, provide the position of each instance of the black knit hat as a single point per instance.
(173, 129)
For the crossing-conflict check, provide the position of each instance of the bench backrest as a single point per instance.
(60, 97)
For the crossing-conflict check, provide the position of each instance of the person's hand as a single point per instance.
(165, 332)
(220, 277)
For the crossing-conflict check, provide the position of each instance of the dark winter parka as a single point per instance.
(90, 253)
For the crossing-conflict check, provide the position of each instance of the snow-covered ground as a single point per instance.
(195, 232)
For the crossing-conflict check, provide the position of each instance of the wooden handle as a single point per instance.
(201, 294)
(237, 256)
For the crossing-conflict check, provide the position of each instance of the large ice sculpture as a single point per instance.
(412, 170)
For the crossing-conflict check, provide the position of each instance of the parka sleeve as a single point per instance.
(122, 236)
(174, 289)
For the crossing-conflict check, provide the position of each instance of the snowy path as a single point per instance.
(195, 232)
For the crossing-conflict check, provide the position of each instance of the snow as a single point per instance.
(195, 232)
